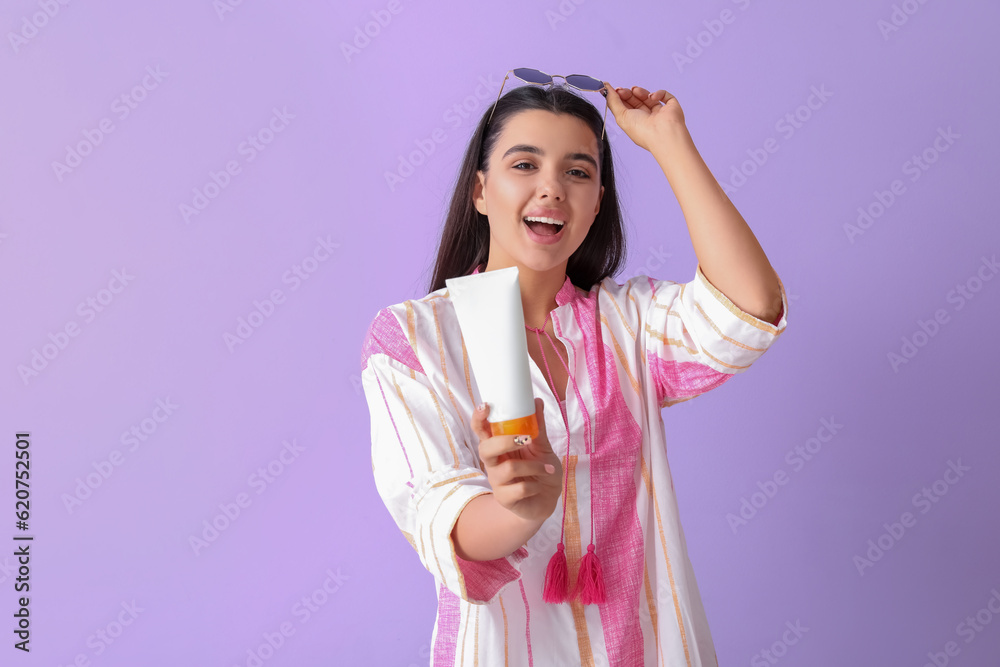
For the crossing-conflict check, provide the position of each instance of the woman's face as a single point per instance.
(544, 164)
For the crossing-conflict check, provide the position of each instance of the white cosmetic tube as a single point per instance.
(490, 315)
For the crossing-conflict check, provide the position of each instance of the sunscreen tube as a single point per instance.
(490, 315)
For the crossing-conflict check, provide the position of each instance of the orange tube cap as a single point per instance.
(523, 426)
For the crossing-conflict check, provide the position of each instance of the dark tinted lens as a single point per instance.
(584, 82)
(532, 75)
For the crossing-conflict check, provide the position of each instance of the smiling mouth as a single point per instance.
(544, 226)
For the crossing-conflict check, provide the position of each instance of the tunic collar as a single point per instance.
(567, 293)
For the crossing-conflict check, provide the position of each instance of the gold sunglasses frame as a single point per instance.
(602, 90)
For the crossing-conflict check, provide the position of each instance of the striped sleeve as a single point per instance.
(695, 338)
(424, 470)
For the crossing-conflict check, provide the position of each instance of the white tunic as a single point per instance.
(632, 349)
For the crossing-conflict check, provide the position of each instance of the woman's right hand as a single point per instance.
(526, 479)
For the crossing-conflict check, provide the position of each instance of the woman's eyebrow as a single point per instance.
(527, 148)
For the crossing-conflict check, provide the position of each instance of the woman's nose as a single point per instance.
(551, 185)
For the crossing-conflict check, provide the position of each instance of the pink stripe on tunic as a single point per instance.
(617, 443)
(485, 578)
(680, 379)
(395, 428)
(527, 624)
(386, 335)
(448, 617)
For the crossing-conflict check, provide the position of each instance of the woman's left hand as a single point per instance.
(643, 115)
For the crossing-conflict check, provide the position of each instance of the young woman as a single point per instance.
(566, 549)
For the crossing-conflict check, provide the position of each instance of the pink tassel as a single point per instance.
(590, 582)
(556, 578)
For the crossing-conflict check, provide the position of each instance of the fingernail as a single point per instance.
(549, 468)
(480, 407)
(522, 440)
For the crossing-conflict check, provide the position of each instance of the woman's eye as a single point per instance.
(579, 173)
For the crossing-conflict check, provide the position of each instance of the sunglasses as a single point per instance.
(539, 78)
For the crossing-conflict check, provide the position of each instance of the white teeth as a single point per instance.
(551, 221)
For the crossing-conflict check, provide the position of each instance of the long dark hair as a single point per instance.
(465, 239)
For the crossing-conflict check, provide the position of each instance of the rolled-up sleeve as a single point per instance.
(696, 338)
(425, 471)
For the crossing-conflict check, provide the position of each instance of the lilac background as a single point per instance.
(319, 520)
